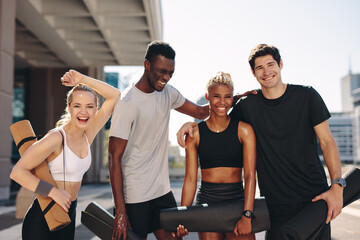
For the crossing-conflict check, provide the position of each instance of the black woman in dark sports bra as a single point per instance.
(224, 148)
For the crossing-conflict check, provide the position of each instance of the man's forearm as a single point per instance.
(116, 180)
(332, 159)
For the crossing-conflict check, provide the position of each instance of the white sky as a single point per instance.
(318, 41)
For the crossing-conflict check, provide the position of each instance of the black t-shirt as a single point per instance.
(288, 165)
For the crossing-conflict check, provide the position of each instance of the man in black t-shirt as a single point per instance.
(287, 119)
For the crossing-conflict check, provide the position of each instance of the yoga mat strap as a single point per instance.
(51, 204)
(27, 139)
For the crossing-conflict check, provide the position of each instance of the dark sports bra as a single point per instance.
(220, 149)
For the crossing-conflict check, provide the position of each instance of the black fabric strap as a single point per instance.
(48, 207)
(24, 141)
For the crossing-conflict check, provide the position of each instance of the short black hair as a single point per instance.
(159, 48)
(263, 50)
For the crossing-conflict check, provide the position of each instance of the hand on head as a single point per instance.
(71, 78)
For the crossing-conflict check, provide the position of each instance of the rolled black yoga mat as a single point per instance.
(306, 224)
(217, 217)
(100, 222)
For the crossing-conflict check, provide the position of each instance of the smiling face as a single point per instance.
(220, 97)
(82, 108)
(159, 72)
(267, 72)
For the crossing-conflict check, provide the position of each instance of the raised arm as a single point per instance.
(191, 170)
(333, 197)
(33, 157)
(111, 94)
(194, 110)
(247, 138)
(121, 223)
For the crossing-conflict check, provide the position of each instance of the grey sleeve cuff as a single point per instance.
(43, 188)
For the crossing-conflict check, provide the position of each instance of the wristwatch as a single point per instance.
(339, 181)
(248, 214)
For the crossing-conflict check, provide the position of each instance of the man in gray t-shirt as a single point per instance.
(138, 146)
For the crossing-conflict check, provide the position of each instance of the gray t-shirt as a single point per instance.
(143, 120)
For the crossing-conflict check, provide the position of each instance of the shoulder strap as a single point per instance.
(63, 143)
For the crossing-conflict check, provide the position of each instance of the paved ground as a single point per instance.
(346, 226)
(10, 228)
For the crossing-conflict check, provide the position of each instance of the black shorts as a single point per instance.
(218, 192)
(145, 217)
(280, 214)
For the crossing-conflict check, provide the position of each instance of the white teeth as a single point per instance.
(162, 83)
(269, 78)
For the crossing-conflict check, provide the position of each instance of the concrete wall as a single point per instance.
(7, 48)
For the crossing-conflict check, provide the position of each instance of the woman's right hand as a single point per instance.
(61, 197)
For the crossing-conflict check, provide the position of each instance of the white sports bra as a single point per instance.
(75, 167)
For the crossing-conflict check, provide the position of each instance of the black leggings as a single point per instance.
(35, 226)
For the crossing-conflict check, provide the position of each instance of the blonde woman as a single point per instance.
(77, 128)
(225, 147)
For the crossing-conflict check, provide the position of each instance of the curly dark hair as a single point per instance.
(159, 48)
(263, 50)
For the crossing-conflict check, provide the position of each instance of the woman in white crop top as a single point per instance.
(79, 126)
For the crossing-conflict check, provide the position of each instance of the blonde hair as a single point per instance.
(65, 118)
(220, 78)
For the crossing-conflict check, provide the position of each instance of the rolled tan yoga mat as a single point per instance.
(55, 215)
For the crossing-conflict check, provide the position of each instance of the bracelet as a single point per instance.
(43, 188)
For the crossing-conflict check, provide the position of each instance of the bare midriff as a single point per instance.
(222, 175)
(70, 187)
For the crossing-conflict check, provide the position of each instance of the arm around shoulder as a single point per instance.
(194, 110)
(187, 128)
